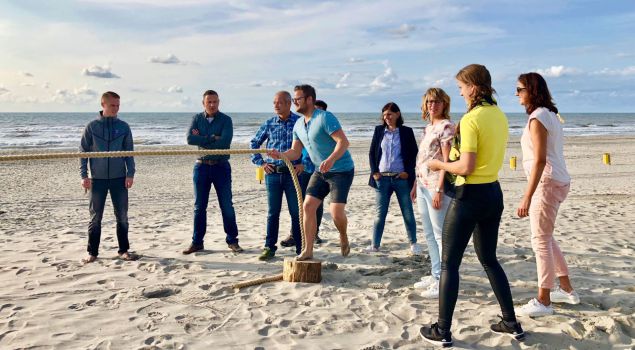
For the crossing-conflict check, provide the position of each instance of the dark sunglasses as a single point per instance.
(519, 89)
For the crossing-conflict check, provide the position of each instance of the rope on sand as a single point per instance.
(287, 162)
(257, 281)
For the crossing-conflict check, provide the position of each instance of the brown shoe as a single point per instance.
(234, 247)
(193, 248)
(288, 242)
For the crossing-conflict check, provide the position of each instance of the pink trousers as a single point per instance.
(544, 207)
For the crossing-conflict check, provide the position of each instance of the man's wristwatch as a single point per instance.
(438, 190)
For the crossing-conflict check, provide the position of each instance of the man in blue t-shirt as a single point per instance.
(304, 178)
(321, 134)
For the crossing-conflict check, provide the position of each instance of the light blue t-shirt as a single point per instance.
(317, 140)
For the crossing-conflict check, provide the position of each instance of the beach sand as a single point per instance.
(167, 300)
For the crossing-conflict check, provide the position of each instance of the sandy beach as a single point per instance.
(166, 300)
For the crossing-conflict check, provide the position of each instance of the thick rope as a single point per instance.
(287, 162)
(257, 281)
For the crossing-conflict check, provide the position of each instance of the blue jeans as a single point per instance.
(432, 220)
(304, 182)
(277, 185)
(219, 175)
(119, 196)
(385, 187)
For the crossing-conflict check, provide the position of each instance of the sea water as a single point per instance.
(64, 130)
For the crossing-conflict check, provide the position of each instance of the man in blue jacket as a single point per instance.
(212, 129)
(114, 175)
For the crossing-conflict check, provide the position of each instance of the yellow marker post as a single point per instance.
(606, 158)
(512, 163)
(260, 174)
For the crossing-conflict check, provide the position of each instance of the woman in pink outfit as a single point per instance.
(548, 185)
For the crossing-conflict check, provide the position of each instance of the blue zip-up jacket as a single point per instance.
(221, 125)
(104, 135)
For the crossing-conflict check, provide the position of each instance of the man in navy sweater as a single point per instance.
(212, 129)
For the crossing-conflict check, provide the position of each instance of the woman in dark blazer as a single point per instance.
(392, 157)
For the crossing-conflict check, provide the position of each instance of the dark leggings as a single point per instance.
(476, 210)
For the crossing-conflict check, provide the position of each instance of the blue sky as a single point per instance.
(160, 55)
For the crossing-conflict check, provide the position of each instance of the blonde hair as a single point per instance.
(478, 76)
(439, 95)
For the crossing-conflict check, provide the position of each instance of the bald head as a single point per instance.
(282, 104)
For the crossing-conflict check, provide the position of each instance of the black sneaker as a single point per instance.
(513, 330)
(434, 335)
(288, 242)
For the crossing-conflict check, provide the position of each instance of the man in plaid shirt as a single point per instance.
(277, 131)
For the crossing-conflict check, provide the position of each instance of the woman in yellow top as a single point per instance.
(477, 207)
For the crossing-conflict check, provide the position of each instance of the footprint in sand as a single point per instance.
(82, 306)
(159, 292)
(163, 342)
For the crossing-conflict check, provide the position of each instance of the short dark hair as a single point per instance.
(537, 92)
(321, 104)
(109, 95)
(393, 108)
(210, 93)
(307, 90)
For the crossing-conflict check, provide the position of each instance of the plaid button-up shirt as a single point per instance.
(279, 136)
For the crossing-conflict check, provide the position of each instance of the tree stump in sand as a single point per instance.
(309, 271)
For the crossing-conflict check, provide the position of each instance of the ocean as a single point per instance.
(63, 130)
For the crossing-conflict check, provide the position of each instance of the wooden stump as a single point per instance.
(309, 271)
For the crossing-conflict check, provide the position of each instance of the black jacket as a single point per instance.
(408, 152)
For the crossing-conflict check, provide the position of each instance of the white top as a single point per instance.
(556, 168)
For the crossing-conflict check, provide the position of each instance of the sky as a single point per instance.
(161, 55)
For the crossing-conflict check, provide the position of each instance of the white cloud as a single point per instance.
(556, 71)
(627, 71)
(271, 83)
(343, 82)
(3, 90)
(46, 85)
(355, 60)
(99, 72)
(158, 3)
(80, 95)
(403, 31)
(384, 81)
(175, 89)
(85, 90)
(27, 84)
(169, 59)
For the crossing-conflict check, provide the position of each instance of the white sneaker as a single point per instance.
(425, 282)
(370, 249)
(432, 292)
(416, 249)
(534, 308)
(558, 295)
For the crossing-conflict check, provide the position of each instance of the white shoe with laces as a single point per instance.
(415, 249)
(432, 292)
(371, 250)
(534, 308)
(558, 295)
(425, 282)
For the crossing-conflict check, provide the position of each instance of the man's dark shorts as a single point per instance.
(336, 183)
